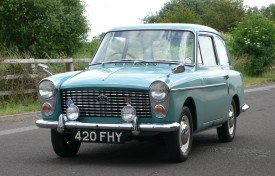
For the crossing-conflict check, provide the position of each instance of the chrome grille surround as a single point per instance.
(89, 106)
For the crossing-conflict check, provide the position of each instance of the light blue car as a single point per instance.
(146, 81)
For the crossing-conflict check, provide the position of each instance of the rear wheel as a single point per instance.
(63, 144)
(179, 143)
(226, 132)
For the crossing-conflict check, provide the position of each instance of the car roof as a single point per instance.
(167, 26)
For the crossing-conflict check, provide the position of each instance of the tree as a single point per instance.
(269, 12)
(183, 15)
(223, 14)
(255, 37)
(44, 28)
(173, 12)
(219, 14)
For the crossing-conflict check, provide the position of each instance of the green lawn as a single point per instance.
(7, 108)
(264, 79)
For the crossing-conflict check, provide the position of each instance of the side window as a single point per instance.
(207, 51)
(221, 51)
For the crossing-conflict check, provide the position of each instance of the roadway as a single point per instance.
(26, 150)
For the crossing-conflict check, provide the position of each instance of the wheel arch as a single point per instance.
(237, 102)
(190, 103)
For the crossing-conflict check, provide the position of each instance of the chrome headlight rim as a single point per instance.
(165, 91)
(53, 88)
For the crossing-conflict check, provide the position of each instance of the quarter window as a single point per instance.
(207, 51)
(221, 51)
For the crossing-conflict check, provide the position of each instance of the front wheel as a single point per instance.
(63, 144)
(179, 143)
(226, 132)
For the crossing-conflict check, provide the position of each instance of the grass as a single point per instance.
(8, 108)
(264, 79)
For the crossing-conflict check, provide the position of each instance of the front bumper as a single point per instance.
(135, 127)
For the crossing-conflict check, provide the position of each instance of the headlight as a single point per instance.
(47, 89)
(159, 91)
(72, 112)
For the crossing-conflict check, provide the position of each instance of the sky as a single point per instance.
(106, 14)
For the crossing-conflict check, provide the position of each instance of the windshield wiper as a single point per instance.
(117, 61)
(137, 61)
(168, 62)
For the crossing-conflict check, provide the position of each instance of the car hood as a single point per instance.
(117, 77)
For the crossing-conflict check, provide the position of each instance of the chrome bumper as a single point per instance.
(245, 107)
(135, 127)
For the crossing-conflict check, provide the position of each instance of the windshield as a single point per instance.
(147, 45)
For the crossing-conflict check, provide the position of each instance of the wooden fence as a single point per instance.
(33, 70)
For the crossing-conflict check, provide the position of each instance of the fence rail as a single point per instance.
(33, 73)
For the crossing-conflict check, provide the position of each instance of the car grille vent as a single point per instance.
(106, 103)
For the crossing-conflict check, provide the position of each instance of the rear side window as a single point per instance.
(222, 52)
(206, 51)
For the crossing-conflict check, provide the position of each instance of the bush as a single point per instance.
(255, 38)
(44, 28)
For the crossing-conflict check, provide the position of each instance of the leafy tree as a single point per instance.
(255, 37)
(174, 11)
(88, 49)
(270, 12)
(44, 28)
(223, 14)
(183, 15)
(219, 14)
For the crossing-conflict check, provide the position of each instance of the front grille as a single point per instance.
(87, 102)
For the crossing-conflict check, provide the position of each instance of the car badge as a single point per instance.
(69, 102)
(102, 99)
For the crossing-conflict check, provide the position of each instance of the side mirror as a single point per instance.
(178, 69)
(44, 68)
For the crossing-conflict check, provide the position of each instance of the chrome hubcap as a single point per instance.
(184, 134)
(231, 121)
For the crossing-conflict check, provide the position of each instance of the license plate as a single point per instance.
(99, 136)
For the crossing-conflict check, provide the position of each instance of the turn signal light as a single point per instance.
(47, 108)
(160, 111)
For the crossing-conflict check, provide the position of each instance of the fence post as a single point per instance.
(70, 65)
(32, 66)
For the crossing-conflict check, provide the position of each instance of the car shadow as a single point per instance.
(135, 153)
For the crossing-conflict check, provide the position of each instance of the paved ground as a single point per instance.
(26, 150)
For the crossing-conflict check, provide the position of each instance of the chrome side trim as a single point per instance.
(123, 126)
(245, 107)
(199, 87)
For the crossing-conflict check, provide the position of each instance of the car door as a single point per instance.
(215, 89)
